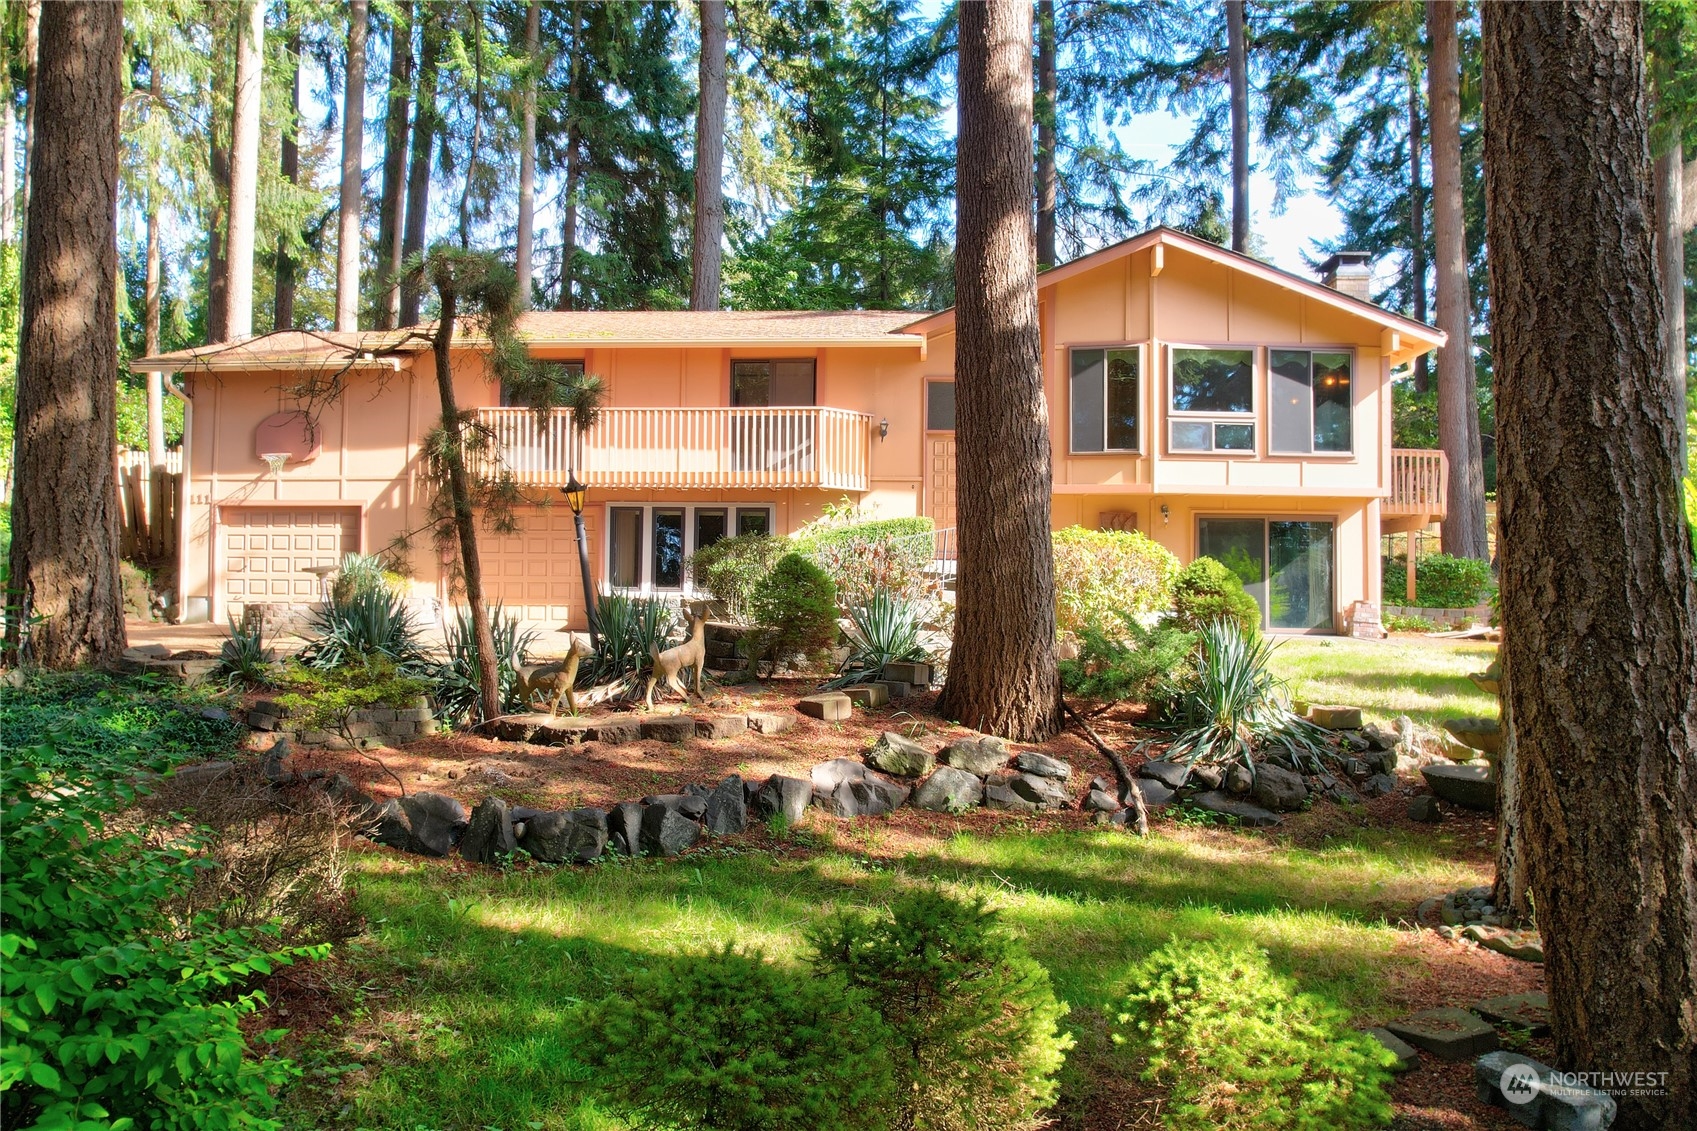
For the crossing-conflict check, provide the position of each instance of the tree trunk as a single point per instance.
(1417, 216)
(218, 171)
(32, 51)
(244, 167)
(1237, 60)
(353, 145)
(151, 299)
(8, 175)
(1048, 98)
(425, 124)
(1510, 891)
(527, 153)
(1599, 601)
(574, 160)
(1458, 386)
(709, 160)
(64, 556)
(391, 208)
(1670, 269)
(283, 297)
(465, 519)
(1002, 675)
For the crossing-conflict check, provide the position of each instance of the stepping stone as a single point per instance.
(903, 757)
(1031, 762)
(919, 675)
(616, 730)
(1448, 1034)
(1523, 1087)
(1407, 1059)
(868, 694)
(1170, 774)
(1249, 816)
(831, 706)
(1335, 718)
(678, 728)
(949, 791)
(770, 722)
(721, 726)
(894, 688)
(1470, 787)
(1524, 1011)
(980, 756)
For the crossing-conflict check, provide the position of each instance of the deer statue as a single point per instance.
(691, 654)
(559, 677)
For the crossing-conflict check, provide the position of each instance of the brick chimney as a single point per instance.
(1349, 272)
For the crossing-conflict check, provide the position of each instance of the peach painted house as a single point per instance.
(1218, 404)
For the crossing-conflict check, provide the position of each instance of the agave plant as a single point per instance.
(885, 630)
(246, 658)
(1231, 708)
(457, 677)
(629, 627)
(370, 622)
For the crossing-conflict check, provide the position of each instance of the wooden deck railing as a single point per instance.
(1418, 482)
(827, 448)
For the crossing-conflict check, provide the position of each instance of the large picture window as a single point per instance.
(1106, 397)
(1311, 396)
(1212, 405)
(647, 546)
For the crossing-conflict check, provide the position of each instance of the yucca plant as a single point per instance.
(457, 685)
(246, 659)
(1231, 708)
(370, 622)
(885, 630)
(629, 626)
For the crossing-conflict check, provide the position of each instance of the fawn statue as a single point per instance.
(559, 677)
(691, 654)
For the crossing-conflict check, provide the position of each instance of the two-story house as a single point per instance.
(1220, 405)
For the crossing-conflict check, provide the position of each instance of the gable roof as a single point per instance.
(1421, 337)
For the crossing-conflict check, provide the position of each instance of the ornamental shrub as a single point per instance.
(731, 568)
(1121, 659)
(1239, 1046)
(975, 1036)
(728, 1041)
(891, 555)
(1205, 591)
(1440, 582)
(1102, 572)
(799, 604)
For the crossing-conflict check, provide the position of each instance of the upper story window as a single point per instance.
(1311, 397)
(1106, 398)
(786, 381)
(567, 370)
(939, 406)
(1212, 400)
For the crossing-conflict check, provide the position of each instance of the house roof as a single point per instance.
(630, 329)
(1420, 337)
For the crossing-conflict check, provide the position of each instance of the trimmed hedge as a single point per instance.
(1205, 590)
(1440, 582)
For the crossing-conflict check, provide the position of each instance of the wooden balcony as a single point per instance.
(1418, 483)
(639, 448)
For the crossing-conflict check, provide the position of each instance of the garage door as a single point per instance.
(534, 572)
(267, 551)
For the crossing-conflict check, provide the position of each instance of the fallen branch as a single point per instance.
(1128, 784)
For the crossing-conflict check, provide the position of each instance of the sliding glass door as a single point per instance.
(1285, 564)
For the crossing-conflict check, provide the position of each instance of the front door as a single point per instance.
(1285, 564)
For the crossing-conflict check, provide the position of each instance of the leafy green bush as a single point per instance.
(1230, 707)
(975, 1025)
(1440, 582)
(820, 534)
(245, 659)
(1205, 590)
(1128, 661)
(728, 1041)
(370, 623)
(891, 555)
(799, 604)
(1239, 1046)
(116, 1014)
(1399, 623)
(92, 712)
(885, 630)
(1102, 572)
(730, 569)
(320, 699)
(458, 678)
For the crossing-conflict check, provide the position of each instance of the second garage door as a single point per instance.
(267, 551)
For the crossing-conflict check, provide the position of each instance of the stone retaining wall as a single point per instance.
(375, 725)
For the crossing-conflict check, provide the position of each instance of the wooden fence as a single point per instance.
(148, 504)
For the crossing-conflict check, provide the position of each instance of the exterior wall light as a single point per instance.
(884, 428)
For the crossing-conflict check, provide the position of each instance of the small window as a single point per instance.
(709, 527)
(754, 520)
(567, 369)
(759, 384)
(668, 549)
(1312, 400)
(624, 547)
(1106, 400)
(940, 406)
(1216, 383)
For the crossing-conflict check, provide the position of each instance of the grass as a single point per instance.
(469, 977)
(1423, 679)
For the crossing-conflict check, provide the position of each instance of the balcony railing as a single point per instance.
(1418, 482)
(826, 448)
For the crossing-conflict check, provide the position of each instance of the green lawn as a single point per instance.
(1423, 679)
(469, 977)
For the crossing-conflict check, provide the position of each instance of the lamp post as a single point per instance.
(575, 492)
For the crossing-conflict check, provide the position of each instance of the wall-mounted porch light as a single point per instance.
(1166, 514)
(884, 428)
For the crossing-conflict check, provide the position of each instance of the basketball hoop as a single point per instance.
(275, 461)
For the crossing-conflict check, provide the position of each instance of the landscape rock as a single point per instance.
(1100, 801)
(1101, 783)
(870, 796)
(1155, 793)
(1043, 766)
(624, 828)
(980, 756)
(1040, 791)
(1378, 785)
(727, 811)
(786, 795)
(691, 805)
(949, 790)
(570, 836)
(1249, 816)
(1407, 1059)
(1207, 777)
(894, 754)
(827, 776)
(1239, 780)
(1335, 718)
(389, 826)
(436, 822)
(1170, 774)
(675, 728)
(1529, 1011)
(1282, 791)
(770, 722)
(999, 796)
(830, 706)
(1381, 761)
(362, 810)
(1378, 739)
(868, 694)
(720, 726)
(488, 838)
(667, 832)
(1425, 809)
(1470, 787)
(1447, 1033)
(1523, 1087)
